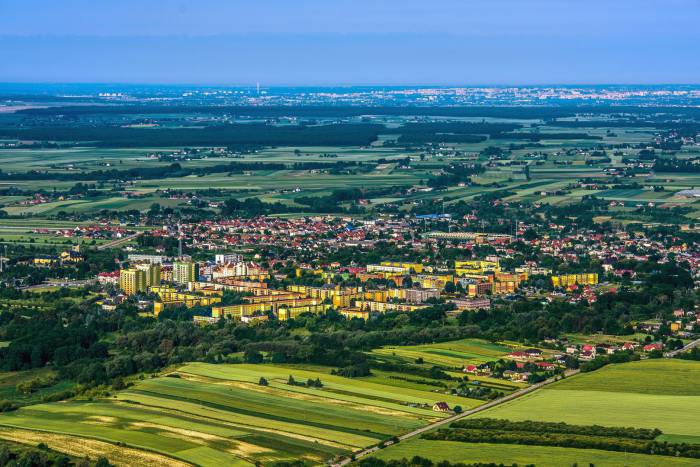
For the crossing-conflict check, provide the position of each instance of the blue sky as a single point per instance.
(314, 42)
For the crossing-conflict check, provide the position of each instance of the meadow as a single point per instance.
(541, 456)
(453, 355)
(647, 394)
(220, 414)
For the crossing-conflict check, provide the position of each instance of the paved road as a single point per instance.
(451, 419)
(688, 346)
(67, 283)
(119, 241)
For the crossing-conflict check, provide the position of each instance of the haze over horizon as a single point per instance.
(319, 43)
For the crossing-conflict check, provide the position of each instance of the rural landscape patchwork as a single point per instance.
(308, 272)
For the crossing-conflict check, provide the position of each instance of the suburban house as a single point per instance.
(654, 346)
(441, 407)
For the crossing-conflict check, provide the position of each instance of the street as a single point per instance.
(453, 418)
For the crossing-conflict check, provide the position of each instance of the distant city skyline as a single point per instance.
(316, 43)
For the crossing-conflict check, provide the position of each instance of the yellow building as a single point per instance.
(388, 268)
(284, 313)
(184, 272)
(238, 311)
(476, 267)
(350, 313)
(434, 281)
(44, 260)
(412, 268)
(384, 307)
(171, 297)
(72, 256)
(132, 281)
(152, 273)
(567, 280)
(295, 305)
(504, 287)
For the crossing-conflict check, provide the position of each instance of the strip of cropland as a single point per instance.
(241, 414)
(648, 394)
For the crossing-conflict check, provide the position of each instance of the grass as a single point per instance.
(542, 456)
(453, 353)
(9, 381)
(649, 394)
(220, 415)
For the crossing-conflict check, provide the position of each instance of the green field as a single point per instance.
(566, 162)
(541, 456)
(660, 394)
(9, 381)
(219, 414)
(453, 355)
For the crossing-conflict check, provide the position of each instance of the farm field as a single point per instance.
(220, 414)
(541, 456)
(451, 353)
(646, 394)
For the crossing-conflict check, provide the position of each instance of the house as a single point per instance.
(481, 370)
(652, 347)
(629, 346)
(587, 355)
(45, 260)
(526, 356)
(108, 277)
(521, 377)
(518, 356)
(441, 407)
(547, 366)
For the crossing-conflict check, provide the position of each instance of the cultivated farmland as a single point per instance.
(221, 414)
(647, 394)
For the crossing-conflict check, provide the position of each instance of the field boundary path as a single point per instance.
(688, 346)
(445, 421)
(119, 241)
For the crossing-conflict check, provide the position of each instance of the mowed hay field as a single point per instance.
(660, 394)
(541, 456)
(219, 415)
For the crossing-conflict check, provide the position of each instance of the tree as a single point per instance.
(263, 382)
(291, 381)
(450, 287)
(457, 409)
(252, 356)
